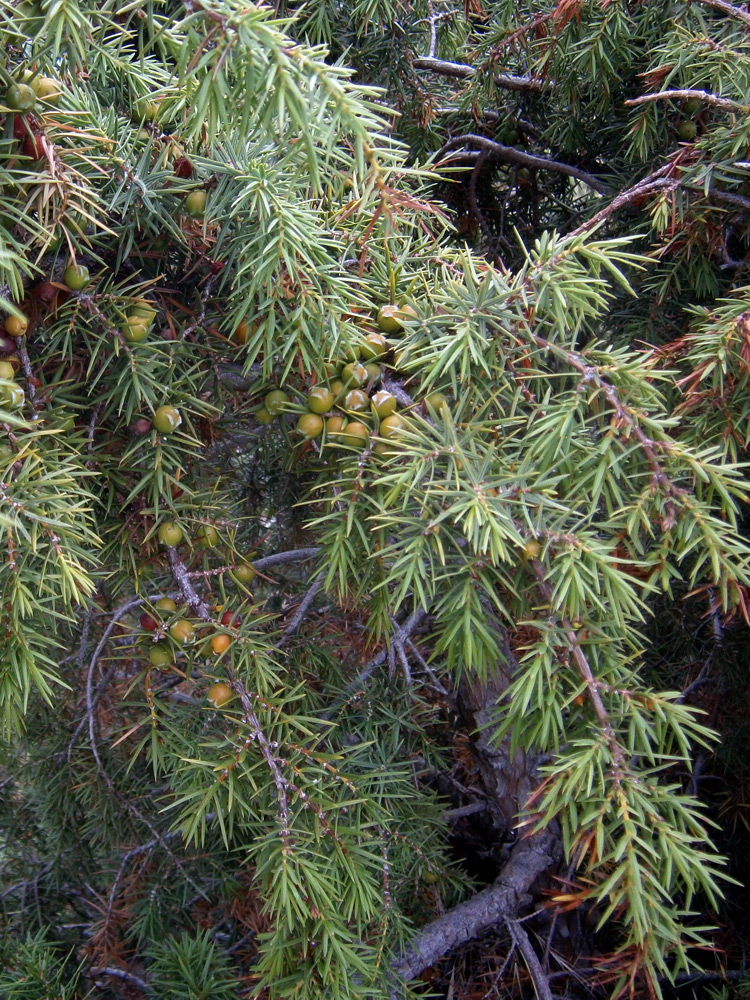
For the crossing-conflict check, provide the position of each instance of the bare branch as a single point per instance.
(275, 559)
(302, 610)
(401, 635)
(433, 19)
(731, 199)
(92, 697)
(654, 182)
(403, 660)
(23, 356)
(117, 615)
(278, 558)
(30, 882)
(461, 811)
(659, 180)
(127, 977)
(477, 212)
(727, 8)
(188, 591)
(522, 942)
(500, 901)
(283, 787)
(91, 717)
(460, 71)
(702, 95)
(132, 853)
(509, 154)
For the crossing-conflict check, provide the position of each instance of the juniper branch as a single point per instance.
(265, 562)
(529, 858)
(183, 581)
(728, 9)
(283, 787)
(509, 154)
(654, 182)
(461, 71)
(302, 610)
(687, 94)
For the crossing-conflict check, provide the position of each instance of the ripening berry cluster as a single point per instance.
(349, 407)
(175, 634)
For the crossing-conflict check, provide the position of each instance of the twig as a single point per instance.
(399, 647)
(250, 717)
(474, 204)
(127, 977)
(696, 773)
(102, 685)
(586, 673)
(462, 811)
(94, 420)
(509, 154)
(522, 942)
(133, 853)
(277, 558)
(23, 356)
(727, 8)
(436, 684)
(702, 95)
(273, 762)
(700, 680)
(625, 416)
(460, 71)
(432, 18)
(493, 991)
(401, 635)
(654, 182)
(91, 716)
(30, 882)
(302, 610)
(396, 389)
(86, 628)
(90, 703)
(198, 320)
(188, 591)
(491, 116)
(732, 199)
(706, 977)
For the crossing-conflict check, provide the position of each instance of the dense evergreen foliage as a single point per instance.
(373, 496)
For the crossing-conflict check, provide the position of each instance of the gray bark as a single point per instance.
(529, 859)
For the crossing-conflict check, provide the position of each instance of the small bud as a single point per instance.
(183, 167)
(141, 426)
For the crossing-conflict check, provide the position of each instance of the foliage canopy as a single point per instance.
(452, 606)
